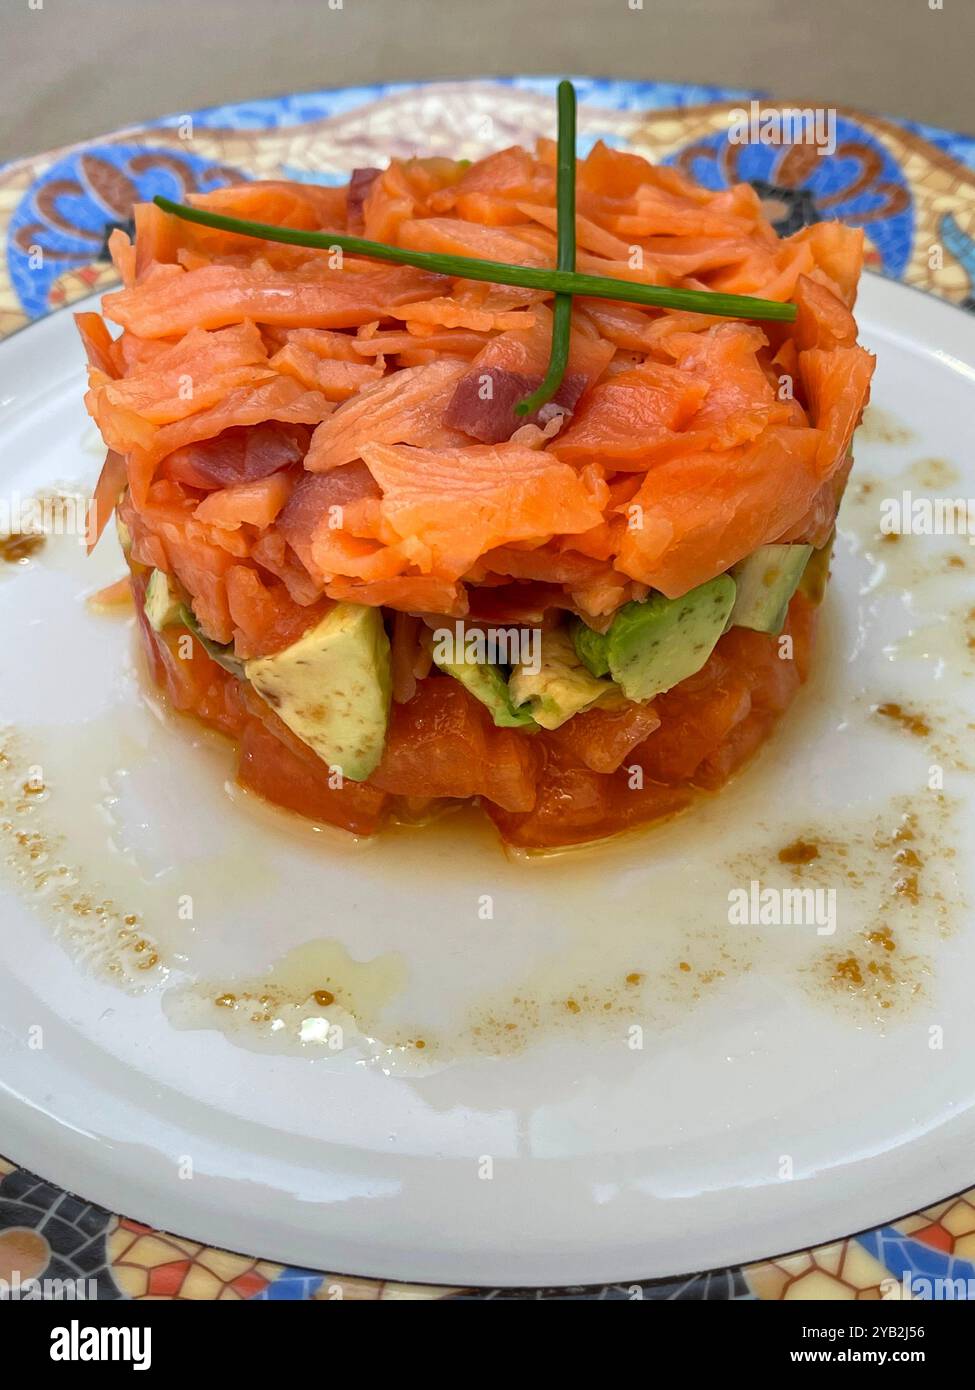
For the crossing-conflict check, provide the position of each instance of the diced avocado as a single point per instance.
(816, 574)
(333, 688)
(163, 602)
(222, 655)
(561, 687)
(654, 644)
(124, 536)
(486, 683)
(766, 582)
(592, 648)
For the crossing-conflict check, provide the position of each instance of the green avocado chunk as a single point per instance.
(766, 581)
(658, 642)
(486, 683)
(815, 576)
(561, 687)
(163, 602)
(592, 648)
(333, 688)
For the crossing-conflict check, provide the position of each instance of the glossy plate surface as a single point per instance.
(747, 1090)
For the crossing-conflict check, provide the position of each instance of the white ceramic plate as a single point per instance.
(773, 1103)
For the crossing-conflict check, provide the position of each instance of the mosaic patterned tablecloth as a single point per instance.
(912, 189)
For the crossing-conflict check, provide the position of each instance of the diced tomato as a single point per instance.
(713, 722)
(601, 738)
(769, 669)
(444, 743)
(695, 717)
(801, 627)
(741, 742)
(574, 805)
(191, 680)
(299, 781)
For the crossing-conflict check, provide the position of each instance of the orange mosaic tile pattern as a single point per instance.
(843, 1270)
(148, 1264)
(949, 1226)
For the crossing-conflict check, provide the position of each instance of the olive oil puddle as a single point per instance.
(102, 933)
(898, 894)
(278, 1012)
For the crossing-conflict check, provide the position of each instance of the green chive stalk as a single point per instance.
(565, 185)
(730, 306)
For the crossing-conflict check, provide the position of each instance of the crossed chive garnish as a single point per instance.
(564, 281)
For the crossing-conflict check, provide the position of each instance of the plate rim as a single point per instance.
(222, 1235)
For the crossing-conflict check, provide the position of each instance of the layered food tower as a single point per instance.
(352, 556)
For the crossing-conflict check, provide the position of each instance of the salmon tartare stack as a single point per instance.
(353, 552)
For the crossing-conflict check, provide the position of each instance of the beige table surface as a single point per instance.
(77, 68)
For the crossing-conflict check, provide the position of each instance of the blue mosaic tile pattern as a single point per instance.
(831, 186)
(90, 191)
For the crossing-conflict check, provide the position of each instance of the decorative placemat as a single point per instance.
(912, 189)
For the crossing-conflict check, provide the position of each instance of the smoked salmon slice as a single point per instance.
(405, 408)
(632, 417)
(256, 503)
(217, 295)
(693, 521)
(459, 503)
(837, 386)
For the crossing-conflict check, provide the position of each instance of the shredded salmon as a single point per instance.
(224, 333)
